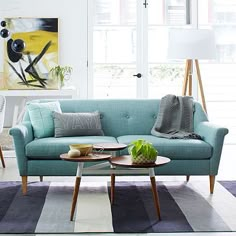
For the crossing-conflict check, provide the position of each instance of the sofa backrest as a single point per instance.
(121, 116)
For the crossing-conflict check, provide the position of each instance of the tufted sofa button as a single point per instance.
(101, 116)
(127, 116)
(154, 116)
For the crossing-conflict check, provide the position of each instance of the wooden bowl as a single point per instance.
(84, 149)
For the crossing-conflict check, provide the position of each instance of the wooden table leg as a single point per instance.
(75, 196)
(113, 177)
(76, 189)
(154, 192)
(112, 187)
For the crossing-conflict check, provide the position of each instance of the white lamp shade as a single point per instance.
(191, 44)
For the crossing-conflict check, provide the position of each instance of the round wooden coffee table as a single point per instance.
(125, 161)
(93, 157)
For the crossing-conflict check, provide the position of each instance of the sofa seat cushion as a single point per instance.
(176, 149)
(51, 148)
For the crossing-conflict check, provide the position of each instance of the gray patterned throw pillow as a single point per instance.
(77, 124)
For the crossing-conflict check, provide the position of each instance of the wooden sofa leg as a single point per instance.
(212, 183)
(41, 178)
(2, 159)
(24, 184)
(187, 177)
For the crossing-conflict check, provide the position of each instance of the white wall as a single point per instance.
(72, 16)
(72, 25)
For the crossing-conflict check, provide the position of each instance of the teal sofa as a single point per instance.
(122, 121)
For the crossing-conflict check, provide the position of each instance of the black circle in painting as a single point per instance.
(3, 23)
(18, 45)
(12, 55)
(4, 33)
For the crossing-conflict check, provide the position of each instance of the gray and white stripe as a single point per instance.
(185, 207)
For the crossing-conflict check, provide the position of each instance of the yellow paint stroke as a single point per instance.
(36, 40)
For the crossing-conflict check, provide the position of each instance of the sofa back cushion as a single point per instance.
(121, 116)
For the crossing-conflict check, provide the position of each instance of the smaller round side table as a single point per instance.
(126, 162)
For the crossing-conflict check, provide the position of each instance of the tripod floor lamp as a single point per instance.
(191, 45)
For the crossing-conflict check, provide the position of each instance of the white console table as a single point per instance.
(20, 97)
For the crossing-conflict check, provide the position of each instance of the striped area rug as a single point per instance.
(185, 207)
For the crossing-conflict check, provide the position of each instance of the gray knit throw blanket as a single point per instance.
(175, 118)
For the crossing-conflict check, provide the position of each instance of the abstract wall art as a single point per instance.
(30, 51)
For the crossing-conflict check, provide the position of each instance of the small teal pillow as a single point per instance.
(41, 118)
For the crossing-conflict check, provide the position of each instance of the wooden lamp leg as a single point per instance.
(200, 85)
(186, 77)
(190, 85)
(190, 79)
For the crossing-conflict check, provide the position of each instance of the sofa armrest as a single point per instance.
(214, 135)
(22, 134)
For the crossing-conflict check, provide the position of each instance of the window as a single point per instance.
(219, 75)
(122, 31)
(164, 77)
(114, 48)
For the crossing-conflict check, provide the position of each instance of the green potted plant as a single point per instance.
(61, 73)
(142, 151)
